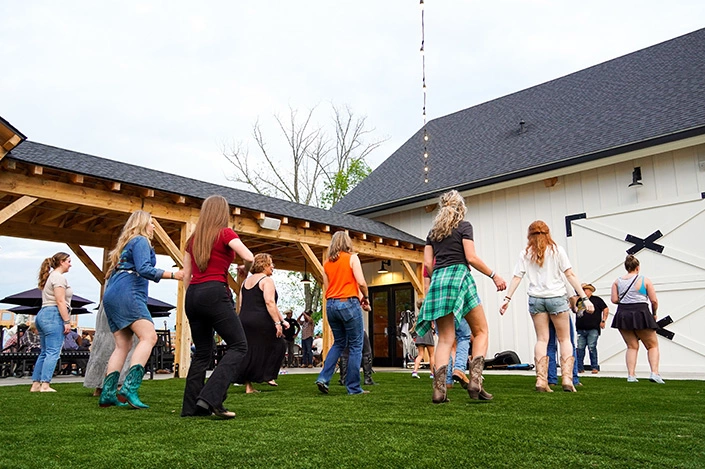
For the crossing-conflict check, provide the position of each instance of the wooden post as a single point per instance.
(182, 342)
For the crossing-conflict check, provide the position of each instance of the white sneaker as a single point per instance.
(632, 379)
(655, 378)
(431, 376)
(415, 375)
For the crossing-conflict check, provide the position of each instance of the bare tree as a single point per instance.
(315, 169)
(314, 159)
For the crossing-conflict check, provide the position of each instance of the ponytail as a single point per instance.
(47, 265)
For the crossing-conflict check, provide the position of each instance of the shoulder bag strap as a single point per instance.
(625, 291)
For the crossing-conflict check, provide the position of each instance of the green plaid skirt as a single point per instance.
(453, 291)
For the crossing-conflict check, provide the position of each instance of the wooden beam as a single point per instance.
(237, 211)
(317, 238)
(178, 199)
(35, 170)
(12, 142)
(50, 233)
(76, 178)
(88, 262)
(416, 281)
(114, 186)
(18, 184)
(16, 207)
(168, 244)
(147, 192)
(9, 165)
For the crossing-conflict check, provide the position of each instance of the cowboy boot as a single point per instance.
(475, 385)
(439, 385)
(567, 374)
(367, 369)
(542, 375)
(128, 392)
(343, 366)
(108, 395)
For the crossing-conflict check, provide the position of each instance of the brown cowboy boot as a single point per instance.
(542, 375)
(475, 389)
(567, 374)
(439, 385)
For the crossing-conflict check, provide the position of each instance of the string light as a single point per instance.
(423, 88)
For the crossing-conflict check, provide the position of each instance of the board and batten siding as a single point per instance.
(673, 182)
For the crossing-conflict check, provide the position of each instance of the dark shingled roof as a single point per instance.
(644, 98)
(88, 165)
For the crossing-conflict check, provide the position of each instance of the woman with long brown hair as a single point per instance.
(545, 263)
(452, 295)
(346, 296)
(131, 264)
(633, 293)
(53, 321)
(209, 307)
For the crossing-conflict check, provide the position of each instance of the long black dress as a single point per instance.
(265, 352)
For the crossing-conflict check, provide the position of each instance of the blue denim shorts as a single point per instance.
(553, 305)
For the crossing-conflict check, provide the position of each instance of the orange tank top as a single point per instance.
(341, 280)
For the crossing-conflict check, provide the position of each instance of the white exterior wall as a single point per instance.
(672, 185)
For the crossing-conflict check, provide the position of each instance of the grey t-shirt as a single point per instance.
(56, 280)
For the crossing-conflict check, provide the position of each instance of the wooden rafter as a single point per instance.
(88, 262)
(16, 207)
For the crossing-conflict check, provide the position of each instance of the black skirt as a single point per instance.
(634, 317)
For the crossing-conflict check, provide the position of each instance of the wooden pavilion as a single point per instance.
(53, 194)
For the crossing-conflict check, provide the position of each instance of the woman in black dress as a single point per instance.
(263, 325)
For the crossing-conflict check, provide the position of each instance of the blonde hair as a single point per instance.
(136, 225)
(340, 242)
(50, 263)
(261, 262)
(214, 216)
(450, 213)
(539, 239)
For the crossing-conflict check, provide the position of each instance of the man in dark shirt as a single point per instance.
(290, 336)
(589, 326)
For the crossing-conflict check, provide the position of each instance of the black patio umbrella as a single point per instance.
(33, 310)
(33, 297)
(157, 308)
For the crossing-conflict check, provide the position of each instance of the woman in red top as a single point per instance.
(209, 307)
(346, 296)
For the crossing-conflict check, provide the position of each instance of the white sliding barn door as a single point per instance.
(597, 249)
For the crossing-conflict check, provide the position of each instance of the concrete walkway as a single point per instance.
(425, 372)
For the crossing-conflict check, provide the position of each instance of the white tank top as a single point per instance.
(636, 293)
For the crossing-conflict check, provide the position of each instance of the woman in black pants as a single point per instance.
(209, 307)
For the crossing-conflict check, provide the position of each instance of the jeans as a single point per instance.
(551, 352)
(462, 337)
(345, 320)
(290, 352)
(51, 338)
(307, 351)
(209, 307)
(588, 337)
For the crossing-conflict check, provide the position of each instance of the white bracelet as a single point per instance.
(492, 274)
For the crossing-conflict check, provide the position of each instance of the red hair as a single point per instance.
(539, 239)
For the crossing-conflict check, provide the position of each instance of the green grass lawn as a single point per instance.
(608, 423)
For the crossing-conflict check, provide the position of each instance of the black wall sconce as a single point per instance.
(636, 177)
(383, 267)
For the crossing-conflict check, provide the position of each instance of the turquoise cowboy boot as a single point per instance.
(108, 395)
(128, 392)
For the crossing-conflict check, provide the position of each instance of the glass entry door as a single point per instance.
(387, 304)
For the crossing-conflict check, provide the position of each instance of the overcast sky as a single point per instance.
(167, 84)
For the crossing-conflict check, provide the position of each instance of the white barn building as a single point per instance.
(611, 157)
